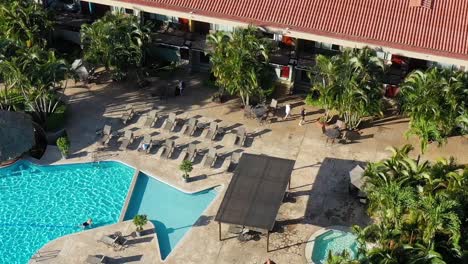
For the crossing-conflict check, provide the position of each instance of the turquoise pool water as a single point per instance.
(336, 241)
(171, 211)
(41, 203)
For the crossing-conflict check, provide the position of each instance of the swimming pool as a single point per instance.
(41, 203)
(336, 241)
(173, 212)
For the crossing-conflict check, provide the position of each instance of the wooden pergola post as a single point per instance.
(219, 225)
(268, 240)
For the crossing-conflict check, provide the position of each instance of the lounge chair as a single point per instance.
(128, 114)
(189, 127)
(120, 243)
(108, 240)
(240, 137)
(210, 158)
(190, 152)
(340, 125)
(213, 131)
(273, 106)
(97, 259)
(106, 135)
(151, 118)
(235, 157)
(167, 149)
(170, 122)
(148, 142)
(127, 139)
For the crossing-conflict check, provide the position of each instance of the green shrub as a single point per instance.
(312, 100)
(63, 144)
(186, 167)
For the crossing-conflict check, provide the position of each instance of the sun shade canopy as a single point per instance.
(256, 191)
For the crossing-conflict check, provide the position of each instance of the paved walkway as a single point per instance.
(319, 181)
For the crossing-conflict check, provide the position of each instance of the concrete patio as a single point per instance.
(319, 186)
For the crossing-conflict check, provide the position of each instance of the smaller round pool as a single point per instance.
(334, 239)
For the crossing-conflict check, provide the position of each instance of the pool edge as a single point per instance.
(136, 174)
(311, 241)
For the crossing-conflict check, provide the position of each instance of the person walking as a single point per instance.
(287, 110)
(303, 115)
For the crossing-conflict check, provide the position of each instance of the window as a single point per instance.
(335, 47)
(225, 28)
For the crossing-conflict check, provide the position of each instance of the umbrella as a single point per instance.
(16, 134)
(356, 177)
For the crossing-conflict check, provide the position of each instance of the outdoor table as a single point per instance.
(260, 110)
(332, 133)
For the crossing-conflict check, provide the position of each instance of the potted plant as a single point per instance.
(63, 144)
(186, 167)
(140, 221)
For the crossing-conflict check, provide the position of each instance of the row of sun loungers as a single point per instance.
(168, 146)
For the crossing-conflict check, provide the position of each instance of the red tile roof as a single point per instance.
(441, 29)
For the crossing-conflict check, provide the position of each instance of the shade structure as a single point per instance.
(256, 191)
(16, 134)
(356, 177)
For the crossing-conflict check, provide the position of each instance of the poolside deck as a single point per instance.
(75, 248)
(319, 187)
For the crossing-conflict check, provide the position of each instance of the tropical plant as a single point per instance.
(25, 21)
(419, 210)
(186, 167)
(139, 221)
(116, 41)
(239, 61)
(350, 84)
(35, 74)
(341, 258)
(63, 144)
(436, 102)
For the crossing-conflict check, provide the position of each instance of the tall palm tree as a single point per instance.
(434, 100)
(116, 41)
(238, 60)
(26, 21)
(350, 83)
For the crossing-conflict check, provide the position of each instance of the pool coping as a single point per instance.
(311, 241)
(136, 174)
(218, 188)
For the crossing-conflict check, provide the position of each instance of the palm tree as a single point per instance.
(350, 83)
(116, 41)
(238, 60)
(25, 21)
(434, 100)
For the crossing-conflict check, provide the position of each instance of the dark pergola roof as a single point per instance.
(256, 191)
(16, 134)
